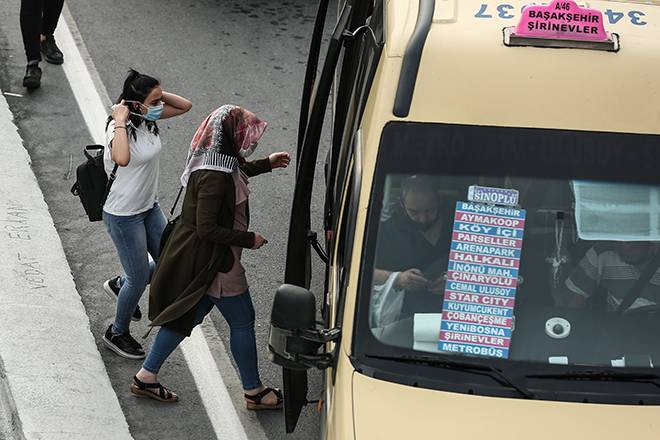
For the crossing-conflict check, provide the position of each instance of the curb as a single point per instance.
(10, 424)
(53, 383)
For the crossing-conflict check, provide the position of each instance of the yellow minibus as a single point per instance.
(492, 223)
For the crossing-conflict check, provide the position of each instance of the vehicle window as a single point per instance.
(347, 125)
(509, 264)
(346, 230)
(342, 227)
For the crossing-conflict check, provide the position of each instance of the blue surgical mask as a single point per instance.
(154, 112)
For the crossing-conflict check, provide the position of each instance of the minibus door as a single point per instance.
(315, 97)
(298, 261)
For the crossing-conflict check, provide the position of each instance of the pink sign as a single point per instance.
(563, 20)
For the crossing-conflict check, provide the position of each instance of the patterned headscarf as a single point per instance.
(207, 150)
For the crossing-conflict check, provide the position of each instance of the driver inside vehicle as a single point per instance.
(614, 270)
(412, 256)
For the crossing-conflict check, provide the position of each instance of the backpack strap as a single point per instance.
(176, 201)
(111, 177)
(111, 180)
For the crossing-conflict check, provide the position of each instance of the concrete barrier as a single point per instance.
(53, 383)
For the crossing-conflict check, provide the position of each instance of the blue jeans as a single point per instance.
(238, 311)
(134, 236)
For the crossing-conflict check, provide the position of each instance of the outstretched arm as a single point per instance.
(275, 160)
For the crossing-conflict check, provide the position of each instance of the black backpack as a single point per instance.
(92, 184)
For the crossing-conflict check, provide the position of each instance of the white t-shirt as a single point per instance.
(136, 186)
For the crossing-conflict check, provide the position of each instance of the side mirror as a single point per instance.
(294, 339)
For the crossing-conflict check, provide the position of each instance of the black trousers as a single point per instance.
(38, 17)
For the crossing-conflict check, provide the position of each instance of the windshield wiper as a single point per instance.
(459, 365)
(605, 375)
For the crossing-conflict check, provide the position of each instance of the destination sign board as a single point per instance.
(482, 278)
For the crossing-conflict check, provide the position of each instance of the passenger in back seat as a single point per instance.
(615, 268)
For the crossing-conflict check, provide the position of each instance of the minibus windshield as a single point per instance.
(513, 245)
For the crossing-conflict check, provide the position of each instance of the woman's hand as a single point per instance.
(279, 160)
(120, 113)
(259, 241)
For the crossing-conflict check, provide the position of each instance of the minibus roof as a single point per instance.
(467, 75)
(642, 2)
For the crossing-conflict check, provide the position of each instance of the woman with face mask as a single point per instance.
(131, 213)
(200, 266)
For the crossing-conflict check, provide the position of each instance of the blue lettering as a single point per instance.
(504, 11)
(636, 18)
(482, 12)
(613, 17)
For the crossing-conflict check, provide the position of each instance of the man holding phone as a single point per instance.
(416, 244)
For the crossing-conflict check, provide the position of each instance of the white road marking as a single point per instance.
(92, 98)
(92, 107)
(17, 95)
(213, 390)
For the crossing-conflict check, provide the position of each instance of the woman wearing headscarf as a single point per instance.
(200, 265)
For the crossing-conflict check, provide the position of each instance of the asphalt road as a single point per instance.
(212, 52)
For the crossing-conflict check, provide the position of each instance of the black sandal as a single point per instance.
(254, 402)
(142, 389)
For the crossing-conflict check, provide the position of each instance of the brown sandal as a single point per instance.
(142, 389)
(254, 402)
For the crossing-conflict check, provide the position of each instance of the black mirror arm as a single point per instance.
(321, 361)
(318, 337)
(321, 336)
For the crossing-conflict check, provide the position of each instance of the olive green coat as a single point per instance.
(198, 248)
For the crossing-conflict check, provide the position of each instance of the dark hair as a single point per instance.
(421, 184)
(418, 183)
(137, 87)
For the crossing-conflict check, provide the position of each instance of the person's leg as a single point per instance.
(155, 223)
(31, 12)
(238, 311)
(130, 238)
(51, 14)
(164, 344)
(166, 341)
(31, 29)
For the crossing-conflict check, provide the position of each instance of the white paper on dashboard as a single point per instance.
(426, 331)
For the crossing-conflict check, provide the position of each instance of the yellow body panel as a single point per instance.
(339, 404)
(386, 410)
(468, 76)
(475, 79)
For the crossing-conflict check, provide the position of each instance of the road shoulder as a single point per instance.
(56, 385)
